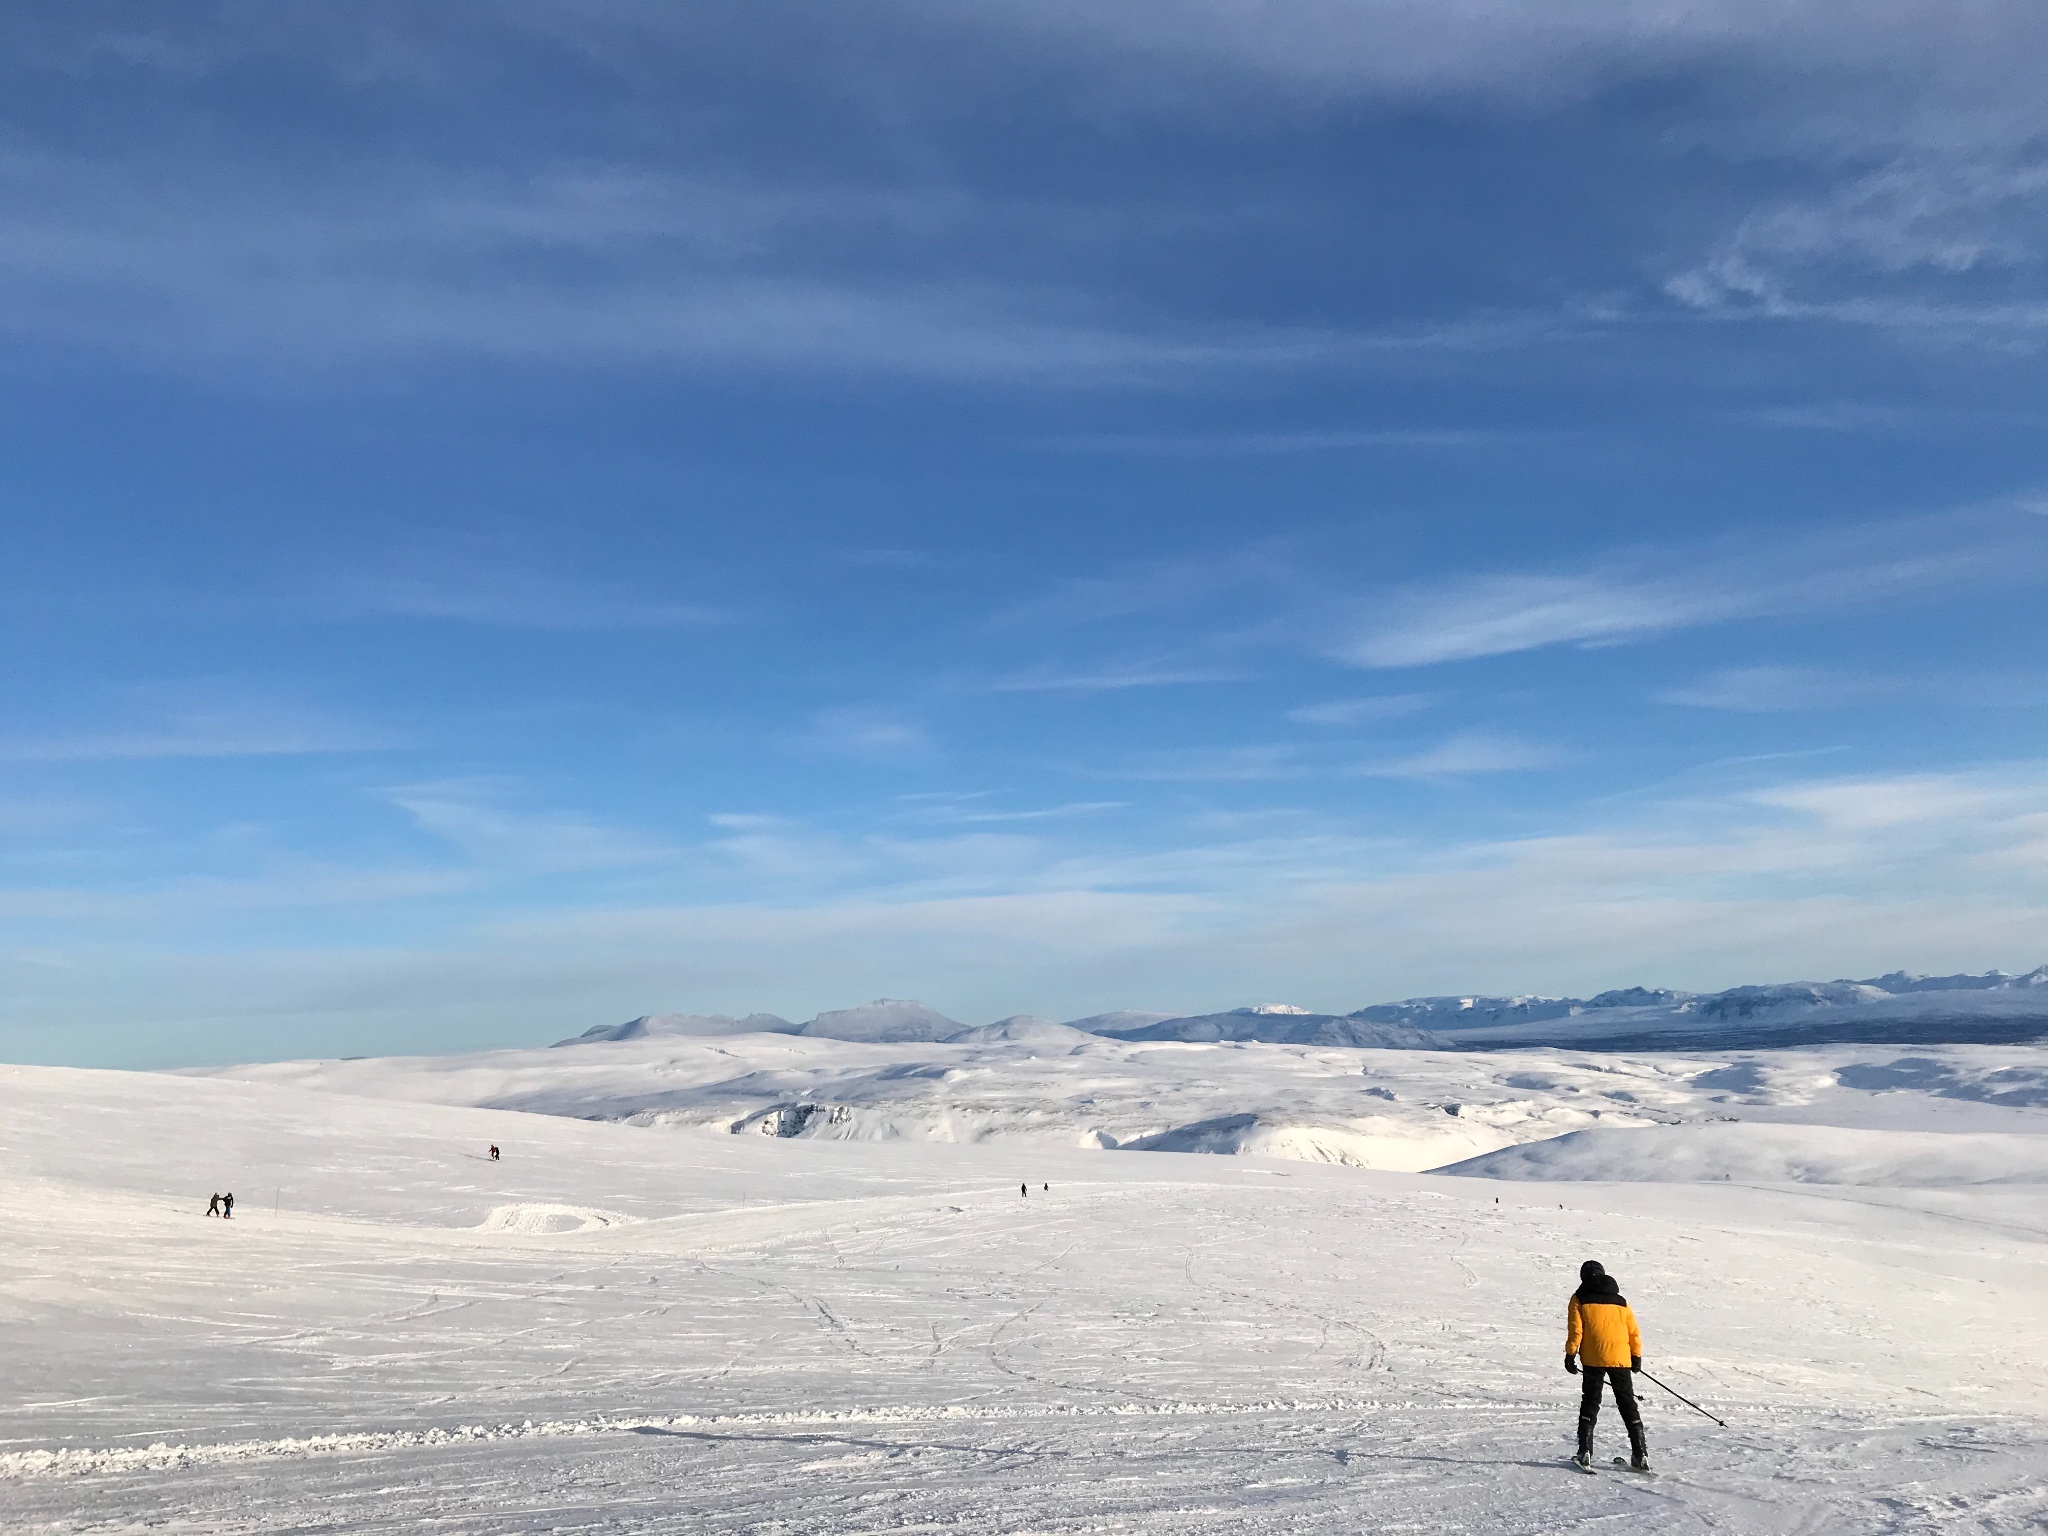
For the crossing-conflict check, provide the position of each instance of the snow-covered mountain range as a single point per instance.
(1896, 1008)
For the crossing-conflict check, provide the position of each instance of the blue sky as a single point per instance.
(521, 515)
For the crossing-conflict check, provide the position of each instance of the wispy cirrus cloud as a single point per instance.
(1777, 690)
(1115, 679)
(1941, 241)
(220, 731)
(871, 733)
(1469, 753)
(473, 818)
(1639, 596)
(1340, 712)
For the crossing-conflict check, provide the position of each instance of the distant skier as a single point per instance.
(213, 1206)
(1023, 1191)
(494, 1151)
(227, 1204)
(1600, 1330)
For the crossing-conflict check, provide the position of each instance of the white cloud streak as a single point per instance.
(222, 732)
(1632, 598)
(1343, 712)
(1469, 753)
(1117, 679)
(1777, 690)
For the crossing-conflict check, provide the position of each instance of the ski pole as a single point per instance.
(1695, 1407)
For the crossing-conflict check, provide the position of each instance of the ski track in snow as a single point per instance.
(625, 1329)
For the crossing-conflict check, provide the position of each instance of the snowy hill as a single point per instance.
(689, 1025)
(1772, 1154)
(1030, 1083)
(1282, 1026)
(634, 1329)
(1022, 1029)
(886, 1018)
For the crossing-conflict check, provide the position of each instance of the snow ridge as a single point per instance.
(1898, 1007)
(164, 1457)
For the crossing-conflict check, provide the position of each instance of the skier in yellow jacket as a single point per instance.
(1600, 1333)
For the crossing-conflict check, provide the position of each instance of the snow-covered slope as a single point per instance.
(1022, 1029)
(1277, 1026)
(1772, 1154)
(1897, 1008)
(625, 1329)
(691, 1025)
(886, 1018)
(1029, 1082)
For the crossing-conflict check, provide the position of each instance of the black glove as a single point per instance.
(1635, 1362)
(1571, 1365)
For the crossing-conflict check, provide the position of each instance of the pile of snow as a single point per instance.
(1770, 1154)
(541, 1220)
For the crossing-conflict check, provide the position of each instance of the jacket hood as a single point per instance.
(1589, 1269)
(1601, 1288)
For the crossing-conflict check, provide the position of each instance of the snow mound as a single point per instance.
(885, 1019)
(1390, 1145)
(1753, 1153)
(543, 1220)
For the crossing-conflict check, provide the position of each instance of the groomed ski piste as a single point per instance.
(851, 1319)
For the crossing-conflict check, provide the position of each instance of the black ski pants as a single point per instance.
(1624, 1386)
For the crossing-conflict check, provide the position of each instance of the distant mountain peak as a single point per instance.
(884, 1019)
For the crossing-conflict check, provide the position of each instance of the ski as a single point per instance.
(1622, 1462)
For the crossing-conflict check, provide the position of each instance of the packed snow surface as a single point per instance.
(644, 1322)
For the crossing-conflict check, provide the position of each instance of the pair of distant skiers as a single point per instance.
(221, 1205)
(1601, 1336)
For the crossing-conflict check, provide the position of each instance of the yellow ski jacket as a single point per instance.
(1601, 1331)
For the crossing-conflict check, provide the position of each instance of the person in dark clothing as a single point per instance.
(1023, 1191)
(213, 1206)
(227, 1203)
(1601, 1332)
(494, 1151)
